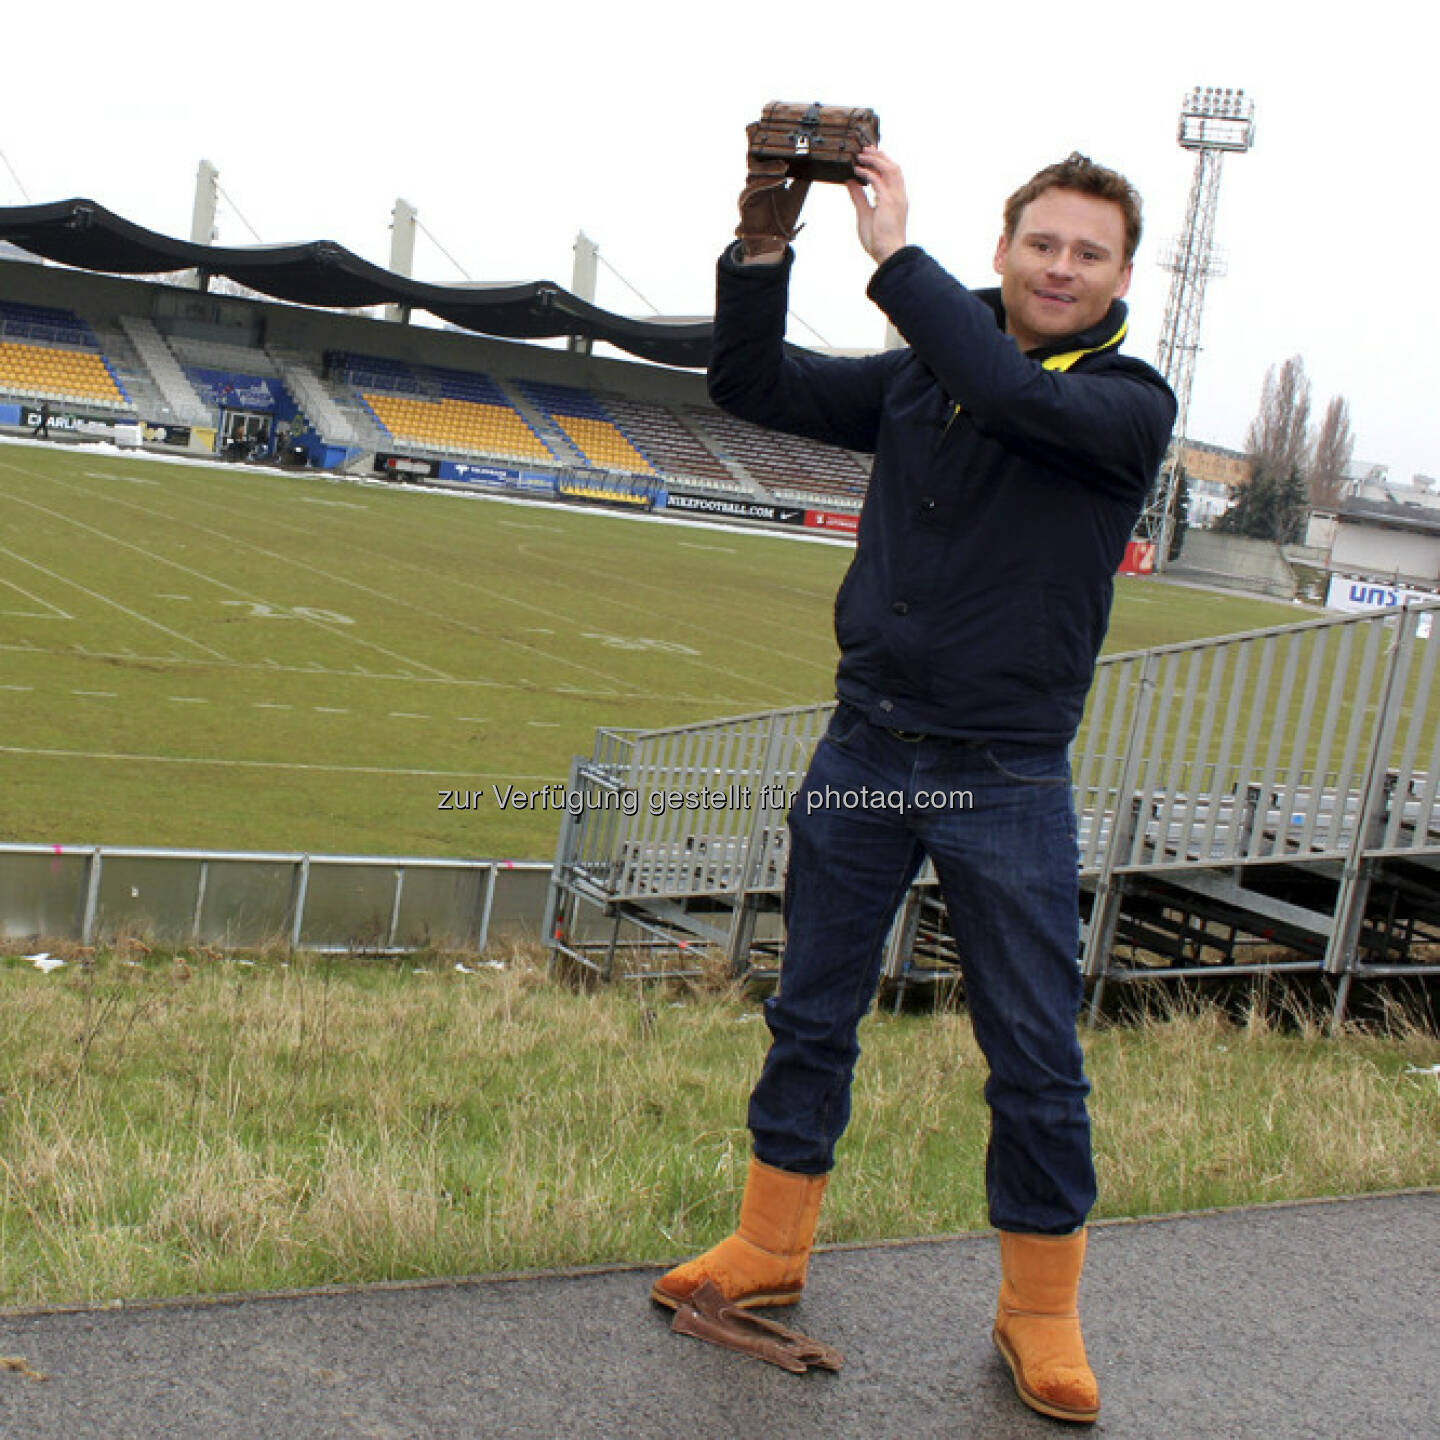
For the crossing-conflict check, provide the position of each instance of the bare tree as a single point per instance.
(1334, 449)
(1272, 504)
(1279, 435)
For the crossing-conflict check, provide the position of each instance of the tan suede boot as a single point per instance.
(764, 1261)
(1037, 1324)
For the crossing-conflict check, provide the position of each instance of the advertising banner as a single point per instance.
(840, 522)
(168, 435)
(734, 509)
(1356, 597)
(496, 477)
(1139, 558)
(63, 420)
(230, 391)
(405, 467)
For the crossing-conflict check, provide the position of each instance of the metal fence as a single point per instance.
(102, 894)
(1309, 751)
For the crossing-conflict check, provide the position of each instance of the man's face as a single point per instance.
(1062, 267)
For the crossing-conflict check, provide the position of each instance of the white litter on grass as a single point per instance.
(463, 969)
(46, 962)
(1423, 1070)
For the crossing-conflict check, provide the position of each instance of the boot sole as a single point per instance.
(763, 1301)
(1038, 1403)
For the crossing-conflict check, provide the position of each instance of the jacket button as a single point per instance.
(900, 607)
(927, 504)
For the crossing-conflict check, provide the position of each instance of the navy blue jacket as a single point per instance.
(980, 590)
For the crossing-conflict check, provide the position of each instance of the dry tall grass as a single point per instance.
(190, 1126)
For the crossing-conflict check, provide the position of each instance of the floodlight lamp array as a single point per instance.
(1217, 119)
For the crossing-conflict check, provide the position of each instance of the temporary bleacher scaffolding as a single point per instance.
(1257, 803)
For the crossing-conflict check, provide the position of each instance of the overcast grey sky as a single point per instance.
(511, 127)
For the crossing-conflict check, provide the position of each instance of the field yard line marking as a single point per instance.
(226, 763)
(330, 629)
(188, 699)
(128, 479)
(447, 617)
(233, 541)
(101, 694)
(692, 545)
(39, 600)
(271, 667)
(452, 618)
(504, 598)
(629, 582)
(17, 687)
(726, 639)
(124, 609)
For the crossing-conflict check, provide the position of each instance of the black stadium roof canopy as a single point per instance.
(87, 236)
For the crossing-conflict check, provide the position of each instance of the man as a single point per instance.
(1013, 450)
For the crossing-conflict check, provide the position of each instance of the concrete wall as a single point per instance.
(1235, 562)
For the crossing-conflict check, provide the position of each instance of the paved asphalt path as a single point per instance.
(1316, 1320)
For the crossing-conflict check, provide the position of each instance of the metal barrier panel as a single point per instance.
(517, 901)
(438, 905)
(154, 899)
(347, 906)
(246, 902)
(42, 893)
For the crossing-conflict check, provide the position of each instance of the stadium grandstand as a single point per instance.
(116, 332)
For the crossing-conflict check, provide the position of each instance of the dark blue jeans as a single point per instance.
(997, 821)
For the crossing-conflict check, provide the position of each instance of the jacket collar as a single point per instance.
(1061, 354)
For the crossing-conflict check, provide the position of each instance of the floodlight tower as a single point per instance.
(1213, 123)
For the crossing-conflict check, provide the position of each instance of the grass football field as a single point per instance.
(198, 655)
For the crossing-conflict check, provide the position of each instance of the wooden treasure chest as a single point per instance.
(817, 142)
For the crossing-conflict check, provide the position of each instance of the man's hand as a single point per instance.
(769, 209)
(881, 224)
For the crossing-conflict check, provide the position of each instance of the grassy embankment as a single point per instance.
(188, 1126)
